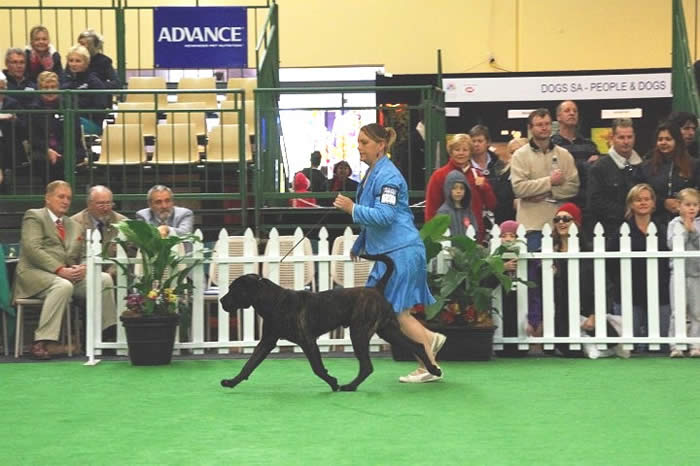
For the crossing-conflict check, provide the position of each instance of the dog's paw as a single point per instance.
(333, 383)
(348, 388)
(229, 383)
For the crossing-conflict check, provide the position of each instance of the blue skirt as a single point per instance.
(408, 285)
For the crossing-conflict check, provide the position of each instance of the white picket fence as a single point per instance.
(246, 340)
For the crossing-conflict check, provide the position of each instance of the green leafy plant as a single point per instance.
(162, 286)
(464, 293)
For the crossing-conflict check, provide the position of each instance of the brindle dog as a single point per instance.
(302, 316)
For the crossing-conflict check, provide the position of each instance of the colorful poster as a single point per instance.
(602, 139)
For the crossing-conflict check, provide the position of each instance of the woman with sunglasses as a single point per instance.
(641, 203)
(567, 215)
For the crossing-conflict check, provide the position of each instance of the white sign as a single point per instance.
(528, 88)
(519, 113)
(620, 113)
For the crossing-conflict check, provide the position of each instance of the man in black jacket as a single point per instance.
(15, 66)
(319, 182)
(612, 176)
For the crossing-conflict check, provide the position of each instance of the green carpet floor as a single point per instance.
(522, 411)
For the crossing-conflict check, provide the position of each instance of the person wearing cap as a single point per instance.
(509, 306)
(568, 214)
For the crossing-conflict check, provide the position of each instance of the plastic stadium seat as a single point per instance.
(122, 145)
(176, 144)
(147, 82)
(223, 145)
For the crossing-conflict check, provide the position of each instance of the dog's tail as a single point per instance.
(381, 284)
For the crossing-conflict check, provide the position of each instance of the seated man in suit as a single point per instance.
(162, 213)
(50, 266)
(99, 216)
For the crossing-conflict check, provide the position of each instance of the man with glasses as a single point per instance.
(16, 64)
(98, 215)
(612, 176)
(543, 176)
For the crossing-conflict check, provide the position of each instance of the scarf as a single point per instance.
(620, 161)
(41, 62)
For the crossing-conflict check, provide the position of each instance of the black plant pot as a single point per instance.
(463, 344)
(150, 338)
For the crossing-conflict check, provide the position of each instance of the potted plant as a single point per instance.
(156, 294)
(464, 309)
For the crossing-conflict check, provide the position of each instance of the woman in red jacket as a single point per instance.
(459, 149)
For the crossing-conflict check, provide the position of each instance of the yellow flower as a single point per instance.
(153, 294)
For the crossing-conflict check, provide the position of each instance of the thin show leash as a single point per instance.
(320, 220)
(323, 217)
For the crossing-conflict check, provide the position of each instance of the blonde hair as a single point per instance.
(81, 51)
(457, 139)
(633, 194)
(94, 41)
(519, 142)
(378, 133)
(687, 193)
(54, 185)
(36, 29)
(44, 77)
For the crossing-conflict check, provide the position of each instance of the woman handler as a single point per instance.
(387, 228)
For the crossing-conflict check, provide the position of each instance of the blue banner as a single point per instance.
(200, 37)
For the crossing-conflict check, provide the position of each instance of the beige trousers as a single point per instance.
(56, 298)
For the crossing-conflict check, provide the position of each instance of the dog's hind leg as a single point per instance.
(360, 343)
(394, 335)
(313, 354)
(261, 351)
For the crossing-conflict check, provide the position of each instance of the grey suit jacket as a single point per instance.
(43, 252)
(181, 220)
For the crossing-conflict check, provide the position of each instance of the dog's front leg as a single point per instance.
(261, 351)
(313, 354)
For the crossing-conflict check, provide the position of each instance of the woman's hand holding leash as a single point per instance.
(343, 203)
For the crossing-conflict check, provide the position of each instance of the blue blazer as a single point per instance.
(382, 209)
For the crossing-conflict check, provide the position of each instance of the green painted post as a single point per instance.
(69, 122)
(121, 42)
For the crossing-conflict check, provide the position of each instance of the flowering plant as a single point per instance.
(161, 286)
(464, 293)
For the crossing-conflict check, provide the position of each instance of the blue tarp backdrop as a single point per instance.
(200, 37)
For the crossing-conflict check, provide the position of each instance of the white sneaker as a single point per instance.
(622, 353)
(438, 341)
(590, 350)
(419, 376)
(675, 353)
